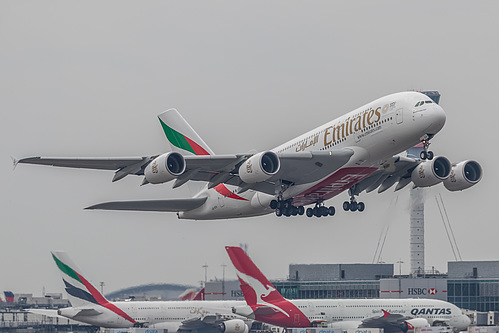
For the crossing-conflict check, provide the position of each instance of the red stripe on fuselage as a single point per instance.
(223, 190)
(104, 302)
(333, 185)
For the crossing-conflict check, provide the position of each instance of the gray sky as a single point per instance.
(88, 79)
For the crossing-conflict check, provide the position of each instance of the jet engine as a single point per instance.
(165, 168)
(234, 326)
(431, 172)
(417, 322)
(463, 175)
(259, 167)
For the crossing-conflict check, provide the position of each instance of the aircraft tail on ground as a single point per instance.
(262, 297)
(81, 293)
(181, 135)
(9, 296)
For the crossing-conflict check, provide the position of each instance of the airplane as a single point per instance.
(363, 150)
(267, 305)
(91, 307)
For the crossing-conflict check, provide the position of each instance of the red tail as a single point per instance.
(267, 304)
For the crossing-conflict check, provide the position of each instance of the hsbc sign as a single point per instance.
(414, 288)
(421, 291)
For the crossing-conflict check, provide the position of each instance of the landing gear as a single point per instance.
(353, 205)
(286, 208)
(426, 154)
(320, 210)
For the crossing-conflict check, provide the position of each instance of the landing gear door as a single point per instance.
(400, 116)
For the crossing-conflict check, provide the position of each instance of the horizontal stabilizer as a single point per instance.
(167, 205)
(46, 312)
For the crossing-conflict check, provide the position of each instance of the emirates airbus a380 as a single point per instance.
(362, 150)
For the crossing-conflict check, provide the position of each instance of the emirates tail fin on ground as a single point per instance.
(81, 293)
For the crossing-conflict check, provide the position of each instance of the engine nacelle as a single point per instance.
(259, 167)
(417, 322)
(234, 326)
(165, 168)
(463, 175)
(431, 172)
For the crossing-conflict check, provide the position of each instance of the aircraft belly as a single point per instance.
(333, 185)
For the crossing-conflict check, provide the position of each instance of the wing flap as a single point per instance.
(167, 205)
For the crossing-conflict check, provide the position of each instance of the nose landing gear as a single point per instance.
(426, 154)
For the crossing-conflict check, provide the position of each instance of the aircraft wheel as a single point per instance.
(361, 207)
(346, 206)
(301, 210)
(331, 211)
(430, 155)
(324, 211)
(287, 204)
(278, 212)
(354, 206)
(423, 155)
(294, 211)
(310, 212)
(317, 212)
(273, 204)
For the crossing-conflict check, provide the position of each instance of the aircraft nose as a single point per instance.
(436, 117)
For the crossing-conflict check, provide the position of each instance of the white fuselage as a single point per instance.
(375, 132)
(349, 313)
(159, 314)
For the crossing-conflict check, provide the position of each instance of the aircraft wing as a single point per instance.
(298, 168)
(122, 166)
(392, 323)
(167, 205)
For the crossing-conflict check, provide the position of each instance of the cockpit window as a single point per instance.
(422, 102)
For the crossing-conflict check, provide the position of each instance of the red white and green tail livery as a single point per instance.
(362, 150)
(266, 304)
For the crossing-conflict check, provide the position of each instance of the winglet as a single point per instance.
(15, 162)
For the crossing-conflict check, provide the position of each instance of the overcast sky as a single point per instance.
(88, 79)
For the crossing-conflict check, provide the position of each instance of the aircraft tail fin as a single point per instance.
(266, 303)
(181, 135)
(254, 285)
(9, 296)
(80, 291)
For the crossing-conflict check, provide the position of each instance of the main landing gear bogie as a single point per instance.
(353, 206)
(286, 208)
(320, 211)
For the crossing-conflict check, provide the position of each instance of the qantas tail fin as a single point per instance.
(266, 304)
(256, 288)
(181, 135)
